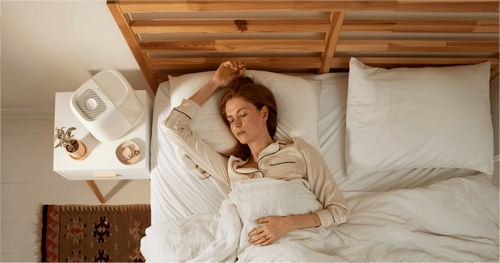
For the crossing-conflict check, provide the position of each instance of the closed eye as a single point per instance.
(232, 120)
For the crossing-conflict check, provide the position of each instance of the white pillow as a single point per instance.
(298, 105)
(405, 118)
(297, 100)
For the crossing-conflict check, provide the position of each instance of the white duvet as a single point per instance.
(453, 220)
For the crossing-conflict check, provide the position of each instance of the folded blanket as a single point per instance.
(454, 220)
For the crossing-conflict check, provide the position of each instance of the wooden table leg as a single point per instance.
(96, 191)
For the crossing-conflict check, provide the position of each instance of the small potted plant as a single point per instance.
(76, 149)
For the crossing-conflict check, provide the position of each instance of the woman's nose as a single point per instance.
(237, 122)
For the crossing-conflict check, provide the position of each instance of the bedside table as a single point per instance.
(101, 162)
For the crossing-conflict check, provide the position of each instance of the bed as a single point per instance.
(400, 94)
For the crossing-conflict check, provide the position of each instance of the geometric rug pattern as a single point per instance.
(78, 233)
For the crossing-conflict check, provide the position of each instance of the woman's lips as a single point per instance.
(239, 133)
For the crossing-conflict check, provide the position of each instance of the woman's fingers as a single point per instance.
(258, 239)
(232, 63)
(235, 65)
(226, 63)
(256, 235)
(267, 242)
(240, 64)
(262, 220)
(261, 240)
(240, 73)
(256, 231)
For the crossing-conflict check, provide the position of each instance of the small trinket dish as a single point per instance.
(128, 152)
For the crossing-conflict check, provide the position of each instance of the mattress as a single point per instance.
(177, 193)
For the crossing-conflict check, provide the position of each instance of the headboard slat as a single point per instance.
(229, 26)
(421, 26)
(345, 5)
(252, 62)
(367, 45)
(233, 46)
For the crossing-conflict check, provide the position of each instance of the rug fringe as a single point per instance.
(105, 208)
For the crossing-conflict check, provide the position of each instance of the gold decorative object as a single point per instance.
(128, 152)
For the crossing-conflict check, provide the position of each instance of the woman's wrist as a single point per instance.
(212, 86)
(303, 221)
(214, 83)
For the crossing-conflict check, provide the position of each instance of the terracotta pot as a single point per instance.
(81, 153)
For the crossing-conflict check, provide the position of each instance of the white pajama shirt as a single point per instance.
(293, 160)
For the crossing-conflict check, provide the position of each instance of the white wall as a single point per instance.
(55, 46)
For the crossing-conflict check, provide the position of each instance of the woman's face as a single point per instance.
(247, 123)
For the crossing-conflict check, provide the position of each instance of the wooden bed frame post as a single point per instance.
(141, 59)
(332, 36)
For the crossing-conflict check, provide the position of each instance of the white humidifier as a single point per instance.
(107, 105)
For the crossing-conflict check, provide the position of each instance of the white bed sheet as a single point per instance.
(177, 193)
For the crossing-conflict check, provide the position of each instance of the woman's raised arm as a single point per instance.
(176, 125)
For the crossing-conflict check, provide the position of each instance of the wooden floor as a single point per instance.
(28, 180)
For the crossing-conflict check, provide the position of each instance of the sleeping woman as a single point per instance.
(250, 112)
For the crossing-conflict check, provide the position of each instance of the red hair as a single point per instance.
(259, 96)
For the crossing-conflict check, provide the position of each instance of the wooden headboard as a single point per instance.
(179, 37)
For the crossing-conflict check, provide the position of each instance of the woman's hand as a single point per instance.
(227, 72)
(275, 228)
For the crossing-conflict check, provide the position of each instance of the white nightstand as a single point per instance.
(101, 157)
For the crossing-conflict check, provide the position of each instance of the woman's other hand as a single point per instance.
(227, 72)
(275, 227)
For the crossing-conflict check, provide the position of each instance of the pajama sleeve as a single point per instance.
(323, 185)
(176, 127)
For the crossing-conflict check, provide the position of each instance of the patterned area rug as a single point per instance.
(92, 233)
